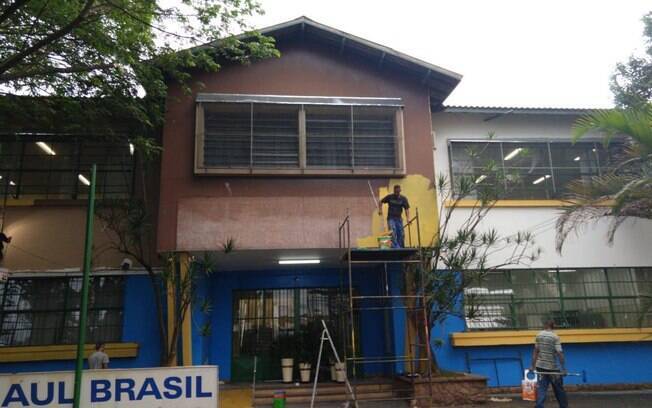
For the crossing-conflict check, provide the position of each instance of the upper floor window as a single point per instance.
(45, 311)
(528, 170)
(58, 167)
(249, 134)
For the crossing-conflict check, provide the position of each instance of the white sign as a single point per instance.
(192, 387)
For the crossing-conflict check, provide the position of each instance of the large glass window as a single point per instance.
(58, 167)
(298, 138)
(45, 311)
(573, 298)
(528, 170)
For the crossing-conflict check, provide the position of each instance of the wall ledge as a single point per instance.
(520, 203)
(19, 354)
(525, 337)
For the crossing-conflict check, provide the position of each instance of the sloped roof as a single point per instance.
(502, 110)
(440, 81)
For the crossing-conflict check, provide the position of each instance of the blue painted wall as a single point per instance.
(219, 287)
(139, 326)
(602, 363)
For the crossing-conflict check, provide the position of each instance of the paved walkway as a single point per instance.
(619, 399)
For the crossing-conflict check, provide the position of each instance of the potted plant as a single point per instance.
(287, 347)
(307, 348)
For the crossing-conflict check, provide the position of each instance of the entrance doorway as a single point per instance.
(278, 323)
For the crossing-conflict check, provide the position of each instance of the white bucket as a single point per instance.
(340, 372)
(287, 365)
(304, 371)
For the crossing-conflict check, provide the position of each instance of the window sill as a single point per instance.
(520, 203)
(203, 171)
(526, 337)
(18, 354)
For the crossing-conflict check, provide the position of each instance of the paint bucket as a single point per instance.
(385, 241)
(278, 399)
(340, 374)
(529, 386)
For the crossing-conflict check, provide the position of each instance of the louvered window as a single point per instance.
(248, 134)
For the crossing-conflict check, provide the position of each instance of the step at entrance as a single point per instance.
(328, 392)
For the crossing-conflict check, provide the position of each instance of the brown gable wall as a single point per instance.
(197, 212)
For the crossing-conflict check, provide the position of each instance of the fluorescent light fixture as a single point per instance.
(131, 149)
(578, 158)
(540, 179)
(513, 153)
(47, 149)
(562, 270)
(480, 179)
(84, 180)
(298, 261)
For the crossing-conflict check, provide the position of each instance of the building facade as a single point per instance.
(268, 160)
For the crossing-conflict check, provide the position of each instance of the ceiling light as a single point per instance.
(562, 270)
(594, 150)
(11, 183)
(298, 261)
(47, 149)
(578, 158)
(480, 179)
(540, 179)
(84, 180)
(131, 149)
(513, 153)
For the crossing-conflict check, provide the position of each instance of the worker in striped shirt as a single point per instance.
(547, 350)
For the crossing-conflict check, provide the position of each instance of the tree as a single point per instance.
(123, 50)
(625, 190)
(464, 251)
(632, 81)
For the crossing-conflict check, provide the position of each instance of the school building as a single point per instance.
(275, 157)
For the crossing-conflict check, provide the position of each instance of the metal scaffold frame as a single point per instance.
(417, 311)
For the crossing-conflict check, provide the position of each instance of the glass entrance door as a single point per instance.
(278, 323)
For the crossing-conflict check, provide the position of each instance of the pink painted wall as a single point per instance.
(198, 212)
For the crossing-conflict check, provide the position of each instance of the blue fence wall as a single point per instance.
(139, 326)
(601, 363)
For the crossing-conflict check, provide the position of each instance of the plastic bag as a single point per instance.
(529, 386)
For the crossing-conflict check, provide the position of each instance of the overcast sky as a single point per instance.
(511, 52)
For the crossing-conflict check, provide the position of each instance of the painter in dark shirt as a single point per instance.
(396, 203)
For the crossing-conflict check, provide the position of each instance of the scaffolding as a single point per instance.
(410, 300)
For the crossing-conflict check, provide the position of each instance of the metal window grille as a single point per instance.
(27, 171)
(45, 311)
(573, 298)
(533, 170)
(258, 135)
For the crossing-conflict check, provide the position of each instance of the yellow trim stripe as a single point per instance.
(62, 352)
(520, 203)
(516, 337)
(171, 309)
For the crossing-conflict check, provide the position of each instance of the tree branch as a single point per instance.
(53, 70)
(15, 59)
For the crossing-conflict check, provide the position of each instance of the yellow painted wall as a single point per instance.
(420, 192)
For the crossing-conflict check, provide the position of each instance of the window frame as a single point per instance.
(557, 191)
(303, 169)
(563, 298)
(66, 308)
(80, 145)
